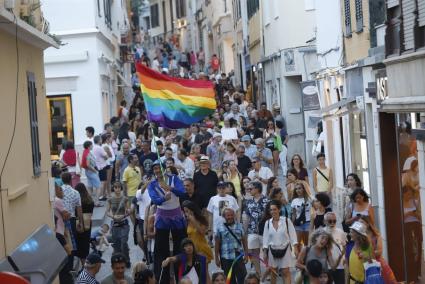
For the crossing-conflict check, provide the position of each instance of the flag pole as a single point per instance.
(150, 126)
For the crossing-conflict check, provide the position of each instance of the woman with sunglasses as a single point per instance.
(118, 210)
(338, 247)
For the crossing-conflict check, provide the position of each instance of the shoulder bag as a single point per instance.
(123, 221)
(322, 174)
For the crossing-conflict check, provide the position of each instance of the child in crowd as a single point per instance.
(99, 238)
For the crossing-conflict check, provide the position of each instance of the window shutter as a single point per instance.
(421, 13)
(347, 16)
(35, 143)
(359, 16)
(408, 13)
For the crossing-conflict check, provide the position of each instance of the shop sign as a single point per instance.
(381, 88)
(310, 95)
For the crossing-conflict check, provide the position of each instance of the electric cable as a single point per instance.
(15, 21)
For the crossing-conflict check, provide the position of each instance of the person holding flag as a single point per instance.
(164, 191)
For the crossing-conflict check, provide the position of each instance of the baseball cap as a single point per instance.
(221, 184)
(118, 258)
(156, 163)
(245, 138)
(94, 258)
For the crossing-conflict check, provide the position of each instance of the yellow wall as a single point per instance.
(254, 31)
(357, 46)
(27, 211)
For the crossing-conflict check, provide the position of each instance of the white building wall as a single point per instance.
(287, 24)
(328, 33)
(86, 64)
(79, 77)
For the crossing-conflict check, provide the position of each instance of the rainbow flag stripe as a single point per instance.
(175, 103)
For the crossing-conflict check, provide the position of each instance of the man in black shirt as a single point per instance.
(244, 162)
(138, 150)
(147, 158)
(190, 195)
(205, 181)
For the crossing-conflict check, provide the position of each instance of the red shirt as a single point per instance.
(86, 152)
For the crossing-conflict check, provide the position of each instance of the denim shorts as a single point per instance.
(303, 228)
(93, 180)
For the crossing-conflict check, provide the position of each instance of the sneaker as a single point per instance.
(103, 198)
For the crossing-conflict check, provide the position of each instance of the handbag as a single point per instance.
(123, 221)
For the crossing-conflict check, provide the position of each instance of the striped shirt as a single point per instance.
(86, 278)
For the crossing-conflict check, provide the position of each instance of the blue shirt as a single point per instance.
(229, 246)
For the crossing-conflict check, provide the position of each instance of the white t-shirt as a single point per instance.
(217, 204)
(297, 205)
(143, 201)
(264, 173)
(189, 168)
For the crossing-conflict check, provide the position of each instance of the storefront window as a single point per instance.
(60, 123)
(409, 171)
(359, 156)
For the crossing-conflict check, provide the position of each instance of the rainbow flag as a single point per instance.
(175, 103)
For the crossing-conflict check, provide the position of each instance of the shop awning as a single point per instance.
(336, 106)
(403, 104)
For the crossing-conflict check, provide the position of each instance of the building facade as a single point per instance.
(87, 70)
(25, 155)
(287, 61)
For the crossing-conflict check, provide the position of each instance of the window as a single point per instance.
(60, 122)
(252, 7)
(154, 16)
(359, 16)
(180, 8)
(35, 143)
(347, 15)
(107, 8)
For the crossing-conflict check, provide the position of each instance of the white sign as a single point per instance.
(229, 133)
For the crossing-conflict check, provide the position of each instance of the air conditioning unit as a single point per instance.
(9, 4)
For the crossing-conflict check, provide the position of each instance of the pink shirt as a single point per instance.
(59, 208)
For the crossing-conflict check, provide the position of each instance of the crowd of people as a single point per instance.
(211, 194)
